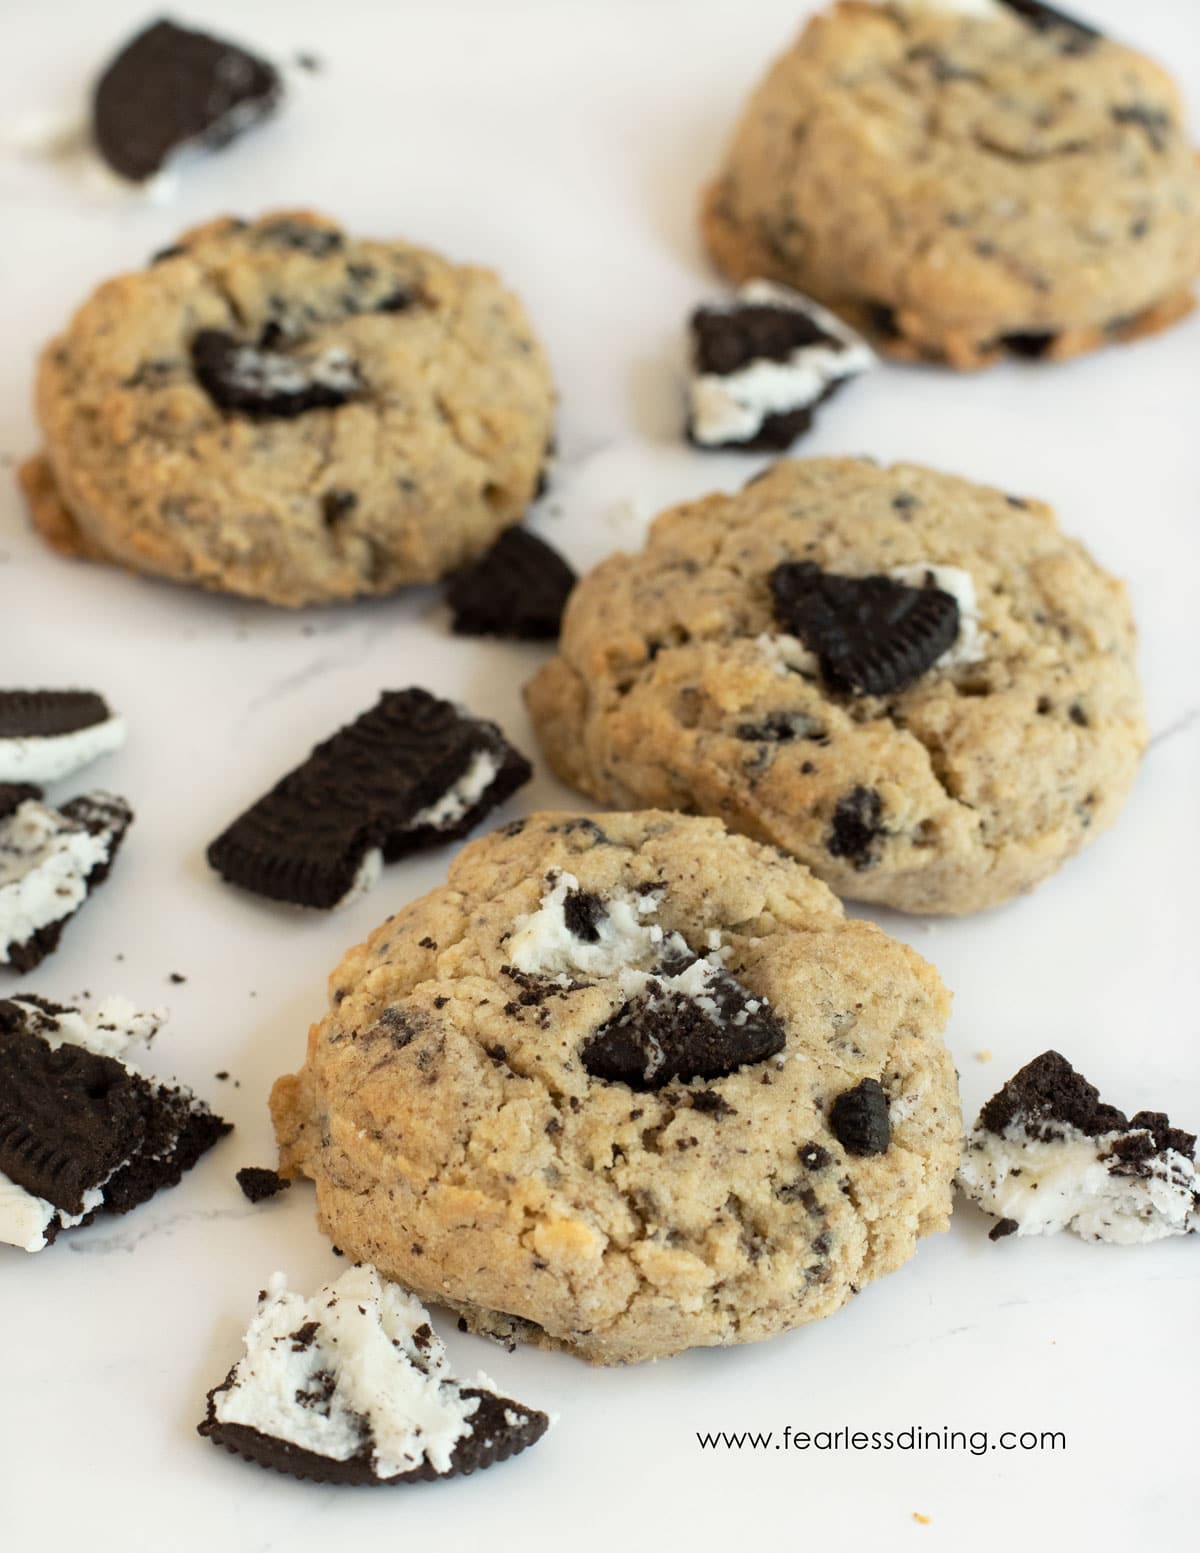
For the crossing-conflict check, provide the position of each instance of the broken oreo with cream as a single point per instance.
(354, 1386)
(762, 363)
(172, 87)
(871, 635)
(410, 773)
(50, 862)
(1047, 1154)
(48, 734)
(270, 384)
(82, 1131)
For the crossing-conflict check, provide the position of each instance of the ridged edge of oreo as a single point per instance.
(44, 714)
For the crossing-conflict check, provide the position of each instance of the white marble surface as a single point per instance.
(565, 143)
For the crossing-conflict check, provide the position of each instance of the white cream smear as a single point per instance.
(50, 757)
(45, 861)
(731, 407)
(481, 772)
(543, 944)
(365, 1340)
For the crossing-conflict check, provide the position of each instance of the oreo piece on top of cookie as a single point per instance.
(354, 1386)
(412, 772)
(871, 635)
(82, 1131)
(48, 734)
(1046, 18)
(171, 87)
(270, 384)
(50, 862)
(518, 589)
(1047, 1154)
(761, 365)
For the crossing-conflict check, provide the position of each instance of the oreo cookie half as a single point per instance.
(761, 365)
(354, 1386)
(872, 635)
(50, 862)
(48, 734)
(81, 1130)
(171, 87)
(518, 589)
(412, 772)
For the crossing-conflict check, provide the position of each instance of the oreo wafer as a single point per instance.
(518, 589)
(411, 772)
(48, 734)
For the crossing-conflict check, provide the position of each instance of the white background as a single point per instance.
(566, 144)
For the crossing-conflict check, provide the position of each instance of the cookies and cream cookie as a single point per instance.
(627, 1085)
(277, 409)
(916, 685)
(965, 178)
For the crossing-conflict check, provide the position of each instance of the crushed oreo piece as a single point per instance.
(376, 1404)
(782, 728)
(13, 794)
(250, 380)
(1044, 18)
(582, 913)
(518, 589)
(762, 364)
(857, 827)
(47, 734)
(258, 1183)
(1047, 1154)
(171, 87)
(872, 635)
(690, 1020)
(858, 1119)
(81, 1130)
(412, 772)
(50, 862)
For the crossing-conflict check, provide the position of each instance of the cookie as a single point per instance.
(354, 1386)
(171, 88)
(965, 180)
(280, 410)
(412, 772)
(82, 1131)
(762, 364)
(46, 735)
(916, 685)
(50, 862)
(518, 589)
(592, 1094)
(1047, 1154)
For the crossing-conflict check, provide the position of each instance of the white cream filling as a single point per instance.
(365, 1340)
(786, 654)
(267, 372)
(50, 757)
(1045, 1187)
(732, 407)
(968, 646)
(481, 772)
(366, 878)
(45, 861)
(542, 944)
(985, 8)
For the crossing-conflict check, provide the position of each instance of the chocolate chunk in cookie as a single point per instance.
(857, 827)
(268, 384)
(690, 1021)
(871, 635)
(171, 87)
(50, 861)
(859, 1119)
(48, 734)
(411, 772)
(354, 1386)
(258, 1183)
(518, 589)
(762, 364)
